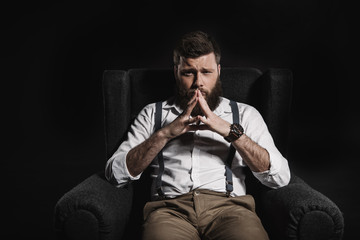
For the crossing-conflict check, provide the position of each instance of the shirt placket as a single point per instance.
(196, 161)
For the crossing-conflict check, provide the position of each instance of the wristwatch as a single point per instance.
(236, 131)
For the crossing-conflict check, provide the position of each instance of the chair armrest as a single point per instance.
(299, 212)
(94, 209)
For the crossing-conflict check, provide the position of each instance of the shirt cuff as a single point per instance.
(277, 175)
(274, 165)
(120, 170)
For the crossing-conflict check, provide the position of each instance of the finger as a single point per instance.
(203, 120)
(192, 103)
(203, 105)
(198, 127)
(192, 120)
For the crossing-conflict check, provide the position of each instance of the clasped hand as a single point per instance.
(185, 122)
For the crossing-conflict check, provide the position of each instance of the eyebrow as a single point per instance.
(192, 69)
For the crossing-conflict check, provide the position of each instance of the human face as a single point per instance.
(197, 73)
(200, 73)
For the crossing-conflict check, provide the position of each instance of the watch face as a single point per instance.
(236, 131)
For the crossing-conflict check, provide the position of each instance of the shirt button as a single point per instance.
(197, 193)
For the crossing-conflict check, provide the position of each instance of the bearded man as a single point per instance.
(198, 144)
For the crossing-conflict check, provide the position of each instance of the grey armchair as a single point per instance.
(95, 209)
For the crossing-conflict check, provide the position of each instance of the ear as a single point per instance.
(219, 68)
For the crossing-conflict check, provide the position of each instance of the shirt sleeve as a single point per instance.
(255, 127)
(116, 170)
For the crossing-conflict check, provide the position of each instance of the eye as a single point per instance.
(187, 73)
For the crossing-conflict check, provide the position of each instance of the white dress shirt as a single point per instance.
(196, 160)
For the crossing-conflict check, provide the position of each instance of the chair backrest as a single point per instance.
(127, 92)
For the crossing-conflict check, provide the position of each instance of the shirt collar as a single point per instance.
(170, 104)
(224, 107)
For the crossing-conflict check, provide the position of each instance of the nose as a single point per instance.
(198, 80)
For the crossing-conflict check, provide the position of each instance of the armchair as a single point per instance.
(95, 209)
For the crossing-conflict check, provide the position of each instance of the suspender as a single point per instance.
(158, 116)
(228, 172)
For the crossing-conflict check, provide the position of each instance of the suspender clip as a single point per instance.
(229, 182)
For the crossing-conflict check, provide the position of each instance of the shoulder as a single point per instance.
(243, 107)
(147, 112)
(150, 109)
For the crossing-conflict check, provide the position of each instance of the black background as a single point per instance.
(54, 55)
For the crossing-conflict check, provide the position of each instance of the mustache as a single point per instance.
(203, 91)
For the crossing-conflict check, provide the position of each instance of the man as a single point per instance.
(195, 194)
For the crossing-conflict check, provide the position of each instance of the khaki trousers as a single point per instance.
(203, 214)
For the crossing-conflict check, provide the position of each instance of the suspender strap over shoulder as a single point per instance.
(228, 172)
(158, 117)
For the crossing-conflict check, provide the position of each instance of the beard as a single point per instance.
(183, 97)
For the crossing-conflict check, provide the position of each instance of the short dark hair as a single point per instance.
(196, 44)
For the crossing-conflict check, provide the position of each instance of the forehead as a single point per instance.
(204, 61)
